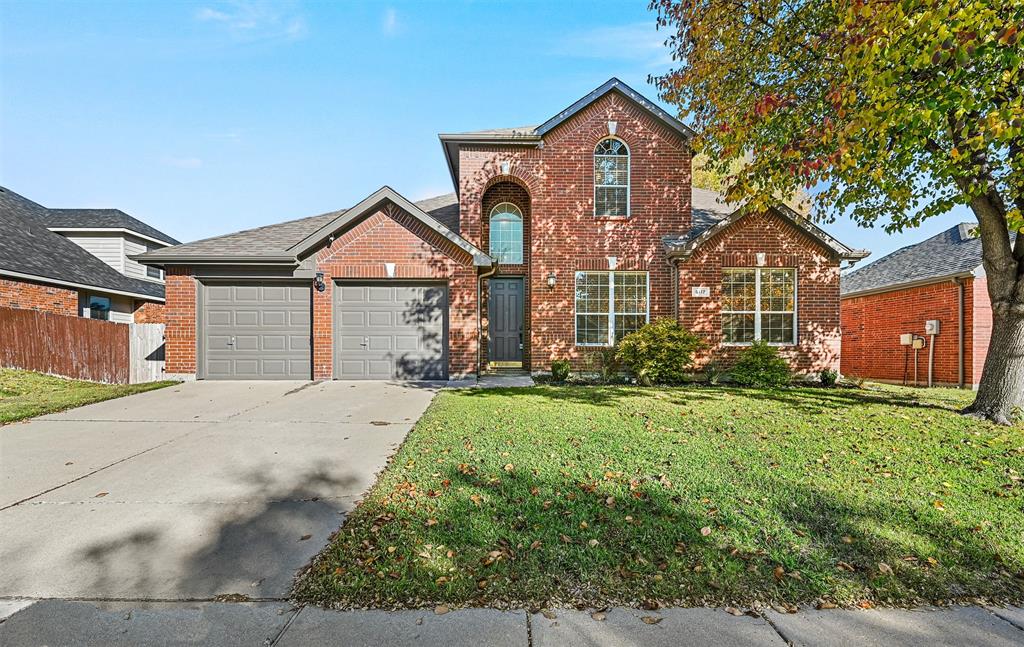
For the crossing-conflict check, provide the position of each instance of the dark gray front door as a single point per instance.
(388, 330)
(505, 320)
(256, 331)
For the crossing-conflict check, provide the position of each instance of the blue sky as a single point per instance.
(203, 118)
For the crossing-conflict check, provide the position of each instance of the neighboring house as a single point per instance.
(559, 240)
(940, 279)
(75, 262)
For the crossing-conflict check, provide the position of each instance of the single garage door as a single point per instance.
(256, 331)
(391, 330)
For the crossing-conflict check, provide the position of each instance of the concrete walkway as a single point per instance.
(191, 492)
(56, 623)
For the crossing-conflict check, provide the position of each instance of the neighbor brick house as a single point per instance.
(939, 279)
(559, 240)
(76, 262)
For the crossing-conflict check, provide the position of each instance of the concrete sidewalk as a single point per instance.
(58, 622)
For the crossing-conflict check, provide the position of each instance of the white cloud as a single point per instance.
(253, 20)
(637, 42)
(183, 162)
(390, 24)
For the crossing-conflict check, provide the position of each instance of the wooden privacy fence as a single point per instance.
(85, 349)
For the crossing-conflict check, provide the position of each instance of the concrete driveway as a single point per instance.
(193, 491)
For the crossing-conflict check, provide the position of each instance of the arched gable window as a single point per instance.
(611, 178)
(506, 234)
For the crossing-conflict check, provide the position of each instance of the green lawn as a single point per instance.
(24, 394)
(596, 496)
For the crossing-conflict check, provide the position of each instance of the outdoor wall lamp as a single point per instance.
(551, 279)
(318, 282)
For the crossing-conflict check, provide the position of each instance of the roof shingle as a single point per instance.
(102, 219)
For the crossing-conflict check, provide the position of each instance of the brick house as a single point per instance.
(939, 279)
(75, 262)
(559, 240)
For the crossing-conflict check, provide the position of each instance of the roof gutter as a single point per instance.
(163, 261)
(80, 286)
(908, 284)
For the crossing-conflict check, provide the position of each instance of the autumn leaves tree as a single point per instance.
(894, 111)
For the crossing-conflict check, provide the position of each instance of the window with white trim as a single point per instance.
(759, 304)
(611, 178)
(506, 234)
(609, 306)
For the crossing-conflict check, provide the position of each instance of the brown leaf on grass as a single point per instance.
(566, 539)
(441, 609)
(778, 573)
(847, 539)
(481, 584)
(339, 571)
(475, 498)
(441, 580)
(592, 543)
(650, 605)
(866, 604)
(651, 620)
(610, 502)
(824, 604)
(509, 467)
(884, 568)
(705, 531)
(431, 522)
(939, 505)
(843, 566)
(546, 505)
(535, 545)
(535, 490)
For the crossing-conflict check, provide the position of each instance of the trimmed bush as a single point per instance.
(829, 378)
(560, 370)
(659, 353)
(760, 365)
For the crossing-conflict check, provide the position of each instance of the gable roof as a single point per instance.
(288, 242)
(711, 215)
(29, 250)
(102, 219)
(952, 253)
(534, 135)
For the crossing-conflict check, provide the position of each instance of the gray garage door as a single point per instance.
(391, 330)
(256, 331)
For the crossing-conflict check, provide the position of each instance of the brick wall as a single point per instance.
(29, 295)
(180, 320)
(873, 323)
(392, 236)
(515, 193)
(817, 272)
(148, 312)
(565, 236)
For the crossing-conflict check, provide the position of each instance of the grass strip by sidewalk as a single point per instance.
(26, 394)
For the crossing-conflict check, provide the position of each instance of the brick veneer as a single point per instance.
(873, 323)
(148, 312)
(180, 320)
(817, 270)
(30, 295)
(515, 193)
(565, 235)
(392, 236)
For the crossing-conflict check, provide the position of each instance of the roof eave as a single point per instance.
(74, 284)
(212, 259)
(906, 285)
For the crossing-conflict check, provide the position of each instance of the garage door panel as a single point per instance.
(257, 331)
(386, 331)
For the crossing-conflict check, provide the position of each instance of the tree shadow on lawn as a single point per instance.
(811, 400)
(513, 545)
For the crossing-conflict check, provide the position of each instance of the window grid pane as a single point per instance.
(506, 234)
(597, 309)
(611, 178)
(759, 304)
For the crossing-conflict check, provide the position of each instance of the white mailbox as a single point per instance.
(931, 327)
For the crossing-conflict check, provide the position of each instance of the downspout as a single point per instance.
(675, 289)
(479, 316)
(960, 331)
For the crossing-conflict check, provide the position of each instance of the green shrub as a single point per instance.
(829, 377)
(560, 370)
(659, 353)
(760, 365)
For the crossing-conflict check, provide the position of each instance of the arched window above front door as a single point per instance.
(506, 234)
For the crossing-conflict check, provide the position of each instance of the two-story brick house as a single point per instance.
(560, 239)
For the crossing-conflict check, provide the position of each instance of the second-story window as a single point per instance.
(506, 234)
(611, 178)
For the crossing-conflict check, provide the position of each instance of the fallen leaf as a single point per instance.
(599, 615)
(705, 531)
(651, 620)
(778, 573)
(304, 537)
(847, 539)
(431, 522)
(548, 613)
(826, 605)
(733, 611)
(592, 543)
(101, 495)
(884, 568)
(566, 538)
(441, 609)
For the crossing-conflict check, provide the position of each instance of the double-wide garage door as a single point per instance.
(382, 330)
(390, 330)
(256, 331)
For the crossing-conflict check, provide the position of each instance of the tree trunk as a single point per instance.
(1002, 381)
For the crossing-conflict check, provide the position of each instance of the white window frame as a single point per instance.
(509, 208)
(610, 311)
(629, 178)
(757, 312)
